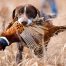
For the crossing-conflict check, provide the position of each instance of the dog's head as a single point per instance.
(25, 14)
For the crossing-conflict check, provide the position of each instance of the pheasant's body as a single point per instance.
(16, 27)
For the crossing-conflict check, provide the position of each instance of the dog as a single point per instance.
(25, 15)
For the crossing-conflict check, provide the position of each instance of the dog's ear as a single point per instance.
(14, 17)
(34, 11)
(38, 12)
(13, 14)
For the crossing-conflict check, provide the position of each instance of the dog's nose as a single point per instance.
(24, 22)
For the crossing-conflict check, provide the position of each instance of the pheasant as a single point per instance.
(10, 35)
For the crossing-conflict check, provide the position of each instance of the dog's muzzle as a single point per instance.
(24, 21)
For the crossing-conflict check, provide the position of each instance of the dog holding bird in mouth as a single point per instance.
(28, 31)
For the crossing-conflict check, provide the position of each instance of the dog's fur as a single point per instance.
(31, 12)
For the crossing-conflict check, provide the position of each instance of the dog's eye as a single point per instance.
(29, 14)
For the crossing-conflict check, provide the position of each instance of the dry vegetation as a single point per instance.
(56, 53)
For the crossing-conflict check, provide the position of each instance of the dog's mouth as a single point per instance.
(25, 22)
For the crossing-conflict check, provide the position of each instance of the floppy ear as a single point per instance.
(34, 10)
(38, 12)
(13, 14)
(14, 17)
